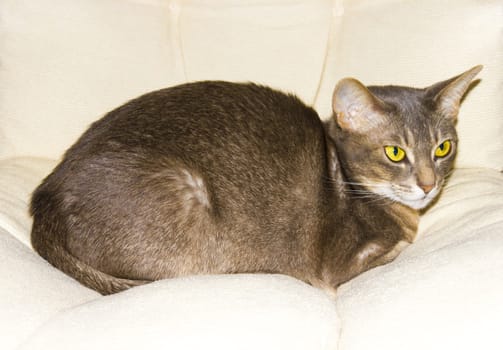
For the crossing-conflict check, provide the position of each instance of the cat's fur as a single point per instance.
(216, 177)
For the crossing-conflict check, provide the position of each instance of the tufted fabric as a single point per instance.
(66, 63)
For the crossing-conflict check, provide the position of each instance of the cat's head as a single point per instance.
(398, 142)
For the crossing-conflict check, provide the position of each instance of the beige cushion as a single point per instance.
(225, 312)
(65, 63)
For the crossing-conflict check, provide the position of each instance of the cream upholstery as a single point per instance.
(66, 63)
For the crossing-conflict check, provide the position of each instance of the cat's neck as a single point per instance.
(407, 218)
(385, 211)
(382, 214)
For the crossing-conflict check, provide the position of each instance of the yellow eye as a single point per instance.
(443, 149)
(394, 153)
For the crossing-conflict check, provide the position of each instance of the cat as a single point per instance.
(216, 177)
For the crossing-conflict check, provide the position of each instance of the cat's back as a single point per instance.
(207, 160)
(201, 117)
(242, 140)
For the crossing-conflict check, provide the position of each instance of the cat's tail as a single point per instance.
(85, 274)
(46, 240)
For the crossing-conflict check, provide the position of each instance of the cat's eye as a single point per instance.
(394, 153)
(443, 149)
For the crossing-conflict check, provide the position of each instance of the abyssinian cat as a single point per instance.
(217, 177)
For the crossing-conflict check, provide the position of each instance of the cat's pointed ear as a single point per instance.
(447, 95)
(355, 107)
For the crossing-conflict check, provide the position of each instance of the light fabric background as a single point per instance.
(63, 64)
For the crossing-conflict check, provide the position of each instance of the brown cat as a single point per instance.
(217, 177)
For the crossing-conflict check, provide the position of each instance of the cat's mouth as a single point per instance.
(411, 196)
(417, 204)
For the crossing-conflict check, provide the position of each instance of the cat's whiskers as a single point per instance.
(364, 184)
(376, 199)
(367, 196)
(443, 186)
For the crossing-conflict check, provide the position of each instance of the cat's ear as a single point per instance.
(355, 107)
(447, 95)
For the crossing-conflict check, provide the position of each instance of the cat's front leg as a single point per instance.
(374, 254)
(370, 255)
(390, 255)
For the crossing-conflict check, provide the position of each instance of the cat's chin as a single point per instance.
(420, 203)
(415, 204)
(415, 199)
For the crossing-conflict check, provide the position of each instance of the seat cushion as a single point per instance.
(18, 179)
(32, 291)
(204, 312)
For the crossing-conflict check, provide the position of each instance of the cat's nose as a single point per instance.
(426, 187)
